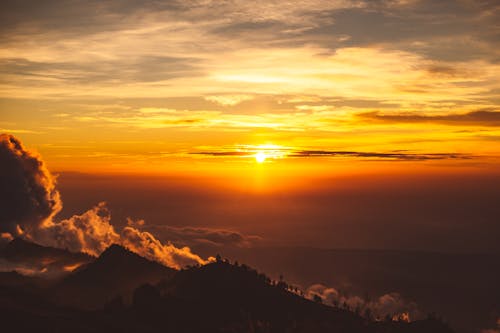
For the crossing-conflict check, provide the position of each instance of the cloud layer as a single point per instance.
(191, 236)
(352, 75)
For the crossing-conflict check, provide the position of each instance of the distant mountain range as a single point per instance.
(122, 292)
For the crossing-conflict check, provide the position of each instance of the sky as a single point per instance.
(376, 120)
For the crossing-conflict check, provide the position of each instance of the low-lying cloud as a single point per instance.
(21, 268)
(30, 202)
(389, 305)
(191, 236)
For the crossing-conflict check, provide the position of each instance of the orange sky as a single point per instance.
(160, 88)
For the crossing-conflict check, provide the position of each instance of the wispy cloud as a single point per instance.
(18, 131)
(229, 100)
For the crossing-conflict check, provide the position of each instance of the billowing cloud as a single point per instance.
(30, 201)
(90, 232)
(392, 304)
(146, 245)
(28, 191)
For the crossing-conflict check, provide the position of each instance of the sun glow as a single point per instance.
(260, 157)
(267, 151)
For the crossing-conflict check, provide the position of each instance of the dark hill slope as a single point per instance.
(230, 298)
(117, 272)
(41, 260)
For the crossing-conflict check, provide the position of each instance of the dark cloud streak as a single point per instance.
(402, 156)
(193, 236)
(481, 117)
(396, 155)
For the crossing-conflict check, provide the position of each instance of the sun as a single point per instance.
(263, 152)
(260, 157)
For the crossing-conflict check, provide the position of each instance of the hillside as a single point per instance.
(123, 292)
(35, 259)
(116, 272)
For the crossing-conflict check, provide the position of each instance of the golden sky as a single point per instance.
(147, 86)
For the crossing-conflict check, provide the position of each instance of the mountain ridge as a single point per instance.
(103, 279)
(122, 291)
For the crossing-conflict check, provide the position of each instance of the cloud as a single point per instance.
(416, 26)
(192, 236)
(87, 43)
(90, 232)
(21, 268)
(283, 152)
(75, 17)
(28, 191)
(229, 100)
(146, 245)
(201, 120)
(399, 155)
(31, 200)
(478, 118)
(46, 267)
(391, 304)
(141, 68)
(5, 238)
(410, 25)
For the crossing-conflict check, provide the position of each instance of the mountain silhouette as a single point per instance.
(20, 249)
(36, 259)
(116, 272)
(232, 298)
(14, 279)
(121, 291)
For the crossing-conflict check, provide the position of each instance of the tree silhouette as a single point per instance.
(317, 299)
(368, 313)
(146, 296)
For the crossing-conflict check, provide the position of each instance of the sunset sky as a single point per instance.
(264, 97)
(133, 85)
